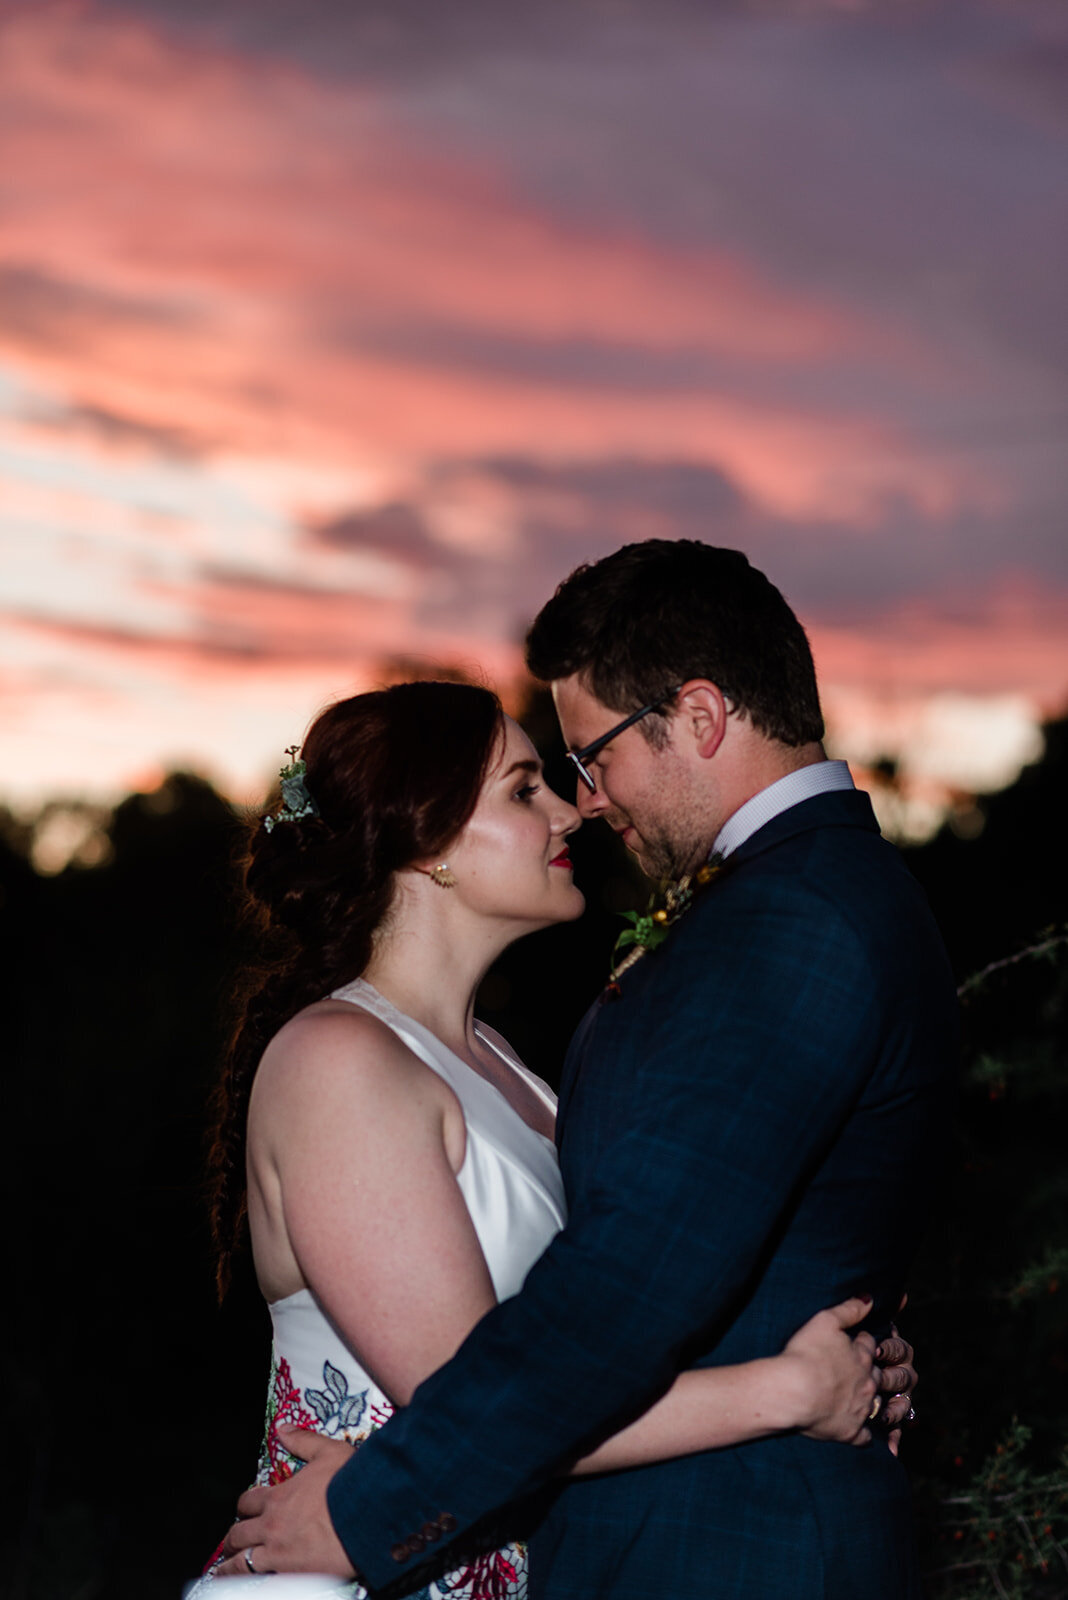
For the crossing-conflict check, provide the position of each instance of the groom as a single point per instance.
(738, 1121)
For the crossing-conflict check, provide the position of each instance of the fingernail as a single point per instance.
(867, 1298)
(878, 1352)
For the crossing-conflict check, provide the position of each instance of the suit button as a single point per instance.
(416, 1544)
(431, 1531)
(399, 1552)
(446, 1522)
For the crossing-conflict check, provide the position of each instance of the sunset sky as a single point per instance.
(331, 332)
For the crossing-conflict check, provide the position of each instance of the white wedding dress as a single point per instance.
(511, 1183)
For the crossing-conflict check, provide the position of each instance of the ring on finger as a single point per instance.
(876, 1407)
(247, 1553)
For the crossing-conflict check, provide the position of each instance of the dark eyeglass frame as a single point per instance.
(578, 758)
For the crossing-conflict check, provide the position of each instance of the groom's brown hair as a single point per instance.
(653, 615)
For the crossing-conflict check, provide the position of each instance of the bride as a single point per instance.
(401, 1173)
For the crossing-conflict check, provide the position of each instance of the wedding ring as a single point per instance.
(247, 1553)
(912, 1415)
(876, 1407)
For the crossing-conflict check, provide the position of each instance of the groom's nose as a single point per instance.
(589, 804)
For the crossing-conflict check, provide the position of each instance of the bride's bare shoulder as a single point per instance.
(336, 1085)
(333, 1044)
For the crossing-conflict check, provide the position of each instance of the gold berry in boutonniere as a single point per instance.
(649, 928)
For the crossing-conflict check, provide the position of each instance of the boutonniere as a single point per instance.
(649, 928)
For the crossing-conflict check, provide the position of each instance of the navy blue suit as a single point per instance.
(736, 1134)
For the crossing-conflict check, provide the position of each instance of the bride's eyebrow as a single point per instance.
(528, 765)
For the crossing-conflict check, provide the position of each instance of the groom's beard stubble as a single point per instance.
(663, 857)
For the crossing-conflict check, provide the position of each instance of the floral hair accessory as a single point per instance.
(296, 801)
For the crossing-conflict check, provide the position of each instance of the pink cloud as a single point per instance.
(243, 268)
(262, 180)
(1010, 637)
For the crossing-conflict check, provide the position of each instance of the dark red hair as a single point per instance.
(395, 775)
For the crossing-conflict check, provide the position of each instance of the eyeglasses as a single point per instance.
(578, 758)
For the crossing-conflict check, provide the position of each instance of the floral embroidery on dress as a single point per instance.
(492, 1576)
(353, 1415)
(335, 1407)
(333, 1411)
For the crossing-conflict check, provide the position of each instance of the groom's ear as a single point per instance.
(701, 716)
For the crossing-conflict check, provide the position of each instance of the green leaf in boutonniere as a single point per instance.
(644, 931)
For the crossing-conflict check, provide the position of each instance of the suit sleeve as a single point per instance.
(755, 1040)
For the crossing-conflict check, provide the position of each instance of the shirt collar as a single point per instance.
(820, 777)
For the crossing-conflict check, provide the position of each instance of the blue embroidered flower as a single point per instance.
(335, 1407)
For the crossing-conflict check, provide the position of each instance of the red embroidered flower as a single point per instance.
(489, 1577)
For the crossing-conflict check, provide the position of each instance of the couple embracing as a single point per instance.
(625, 1346)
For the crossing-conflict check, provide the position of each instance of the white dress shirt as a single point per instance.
(818, 778)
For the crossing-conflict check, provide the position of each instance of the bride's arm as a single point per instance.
(354, 1147)
(821, 1383)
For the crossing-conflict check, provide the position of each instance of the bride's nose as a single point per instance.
(566, 818)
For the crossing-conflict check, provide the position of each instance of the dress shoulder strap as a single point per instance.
(541, 1089)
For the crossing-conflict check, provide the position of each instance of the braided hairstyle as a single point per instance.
(395, 775)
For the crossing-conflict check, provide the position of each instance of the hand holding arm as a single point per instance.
(821, 1383)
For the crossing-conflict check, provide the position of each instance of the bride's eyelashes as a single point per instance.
(526, 792)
